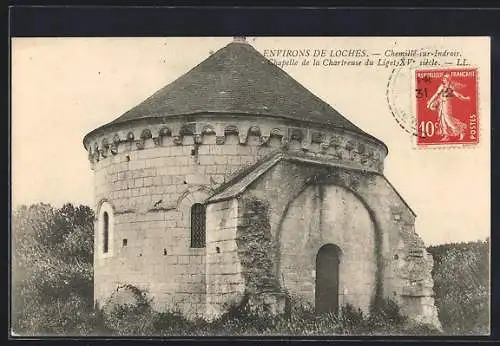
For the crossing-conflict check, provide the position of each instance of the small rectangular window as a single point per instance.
(124, 242)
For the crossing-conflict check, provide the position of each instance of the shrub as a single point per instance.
(130, 320)
(462, 287)
(175, 324)
(386, 311)
(351, 319)
(239, 319)
(136, 318)
(67, 316)
(52, 270)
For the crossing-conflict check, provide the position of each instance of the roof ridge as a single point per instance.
(238, 176)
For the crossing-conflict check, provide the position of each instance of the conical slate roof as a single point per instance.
(237, 79)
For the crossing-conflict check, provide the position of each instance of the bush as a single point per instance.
(130, 320)
(351, 318)
(385, 313)
(68, 316)
(141, 320)
(135, 318)
(52, 270)
(462, 287)
(175, 324)
(240, 320)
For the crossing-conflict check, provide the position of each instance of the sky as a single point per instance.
(62, 88)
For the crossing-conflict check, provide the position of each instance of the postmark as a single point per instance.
(399, 97)
(446, 106)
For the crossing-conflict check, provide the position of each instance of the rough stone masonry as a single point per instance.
(235, 182)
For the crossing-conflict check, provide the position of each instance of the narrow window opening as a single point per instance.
(217, 249)
(105, 219)
(396, 257)
(164, 252)
(124, 242)
(198, 219)
(127, 158)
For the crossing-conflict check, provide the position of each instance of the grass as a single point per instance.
(140, 319)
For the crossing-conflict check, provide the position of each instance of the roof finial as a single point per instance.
(240, 39)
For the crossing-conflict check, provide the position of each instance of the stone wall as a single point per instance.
(328, 214)
(404, 262)
(240, 253)
(261, 134)
(224, 279)
(152, 191)
(151, 174)
(394, 253)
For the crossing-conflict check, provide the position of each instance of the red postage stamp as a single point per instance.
(447, 106)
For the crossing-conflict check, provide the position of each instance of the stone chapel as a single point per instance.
(235, 181)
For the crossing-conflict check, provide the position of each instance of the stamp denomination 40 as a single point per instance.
(446, 106)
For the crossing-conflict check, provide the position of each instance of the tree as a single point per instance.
(52, 269)
(461, 284)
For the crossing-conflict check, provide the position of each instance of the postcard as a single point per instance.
(249, 186)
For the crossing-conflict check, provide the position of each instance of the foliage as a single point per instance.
(52, 269)
(174, 323)
(255, 245)
(140, 319)
(131, 319)
(461, 286)
(385, 311)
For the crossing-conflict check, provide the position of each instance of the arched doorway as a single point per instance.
(340, 218)
(327, 279)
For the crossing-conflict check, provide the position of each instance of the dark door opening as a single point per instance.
(327, 279)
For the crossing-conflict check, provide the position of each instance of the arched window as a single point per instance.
(198, 217)
(105, 238)
(104, 234)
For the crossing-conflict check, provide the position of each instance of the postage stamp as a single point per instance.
(446, 106)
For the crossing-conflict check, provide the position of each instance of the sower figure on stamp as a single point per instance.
(448, 125)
